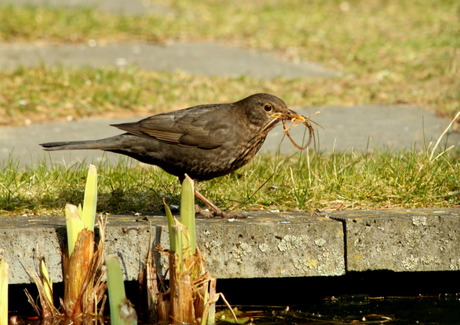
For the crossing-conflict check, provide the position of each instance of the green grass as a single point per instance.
(44, 94)
(358, 180)
(390, 52)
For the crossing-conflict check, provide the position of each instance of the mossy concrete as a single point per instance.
(266, 245)
(402, 240)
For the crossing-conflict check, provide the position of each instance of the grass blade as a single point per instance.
(170, 219)
(3, 292)
(74, 226)
(187, 215)
(46, 281)
(90, 200)
(121, 310)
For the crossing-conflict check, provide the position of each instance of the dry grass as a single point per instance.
(351, 180)
(390, 52)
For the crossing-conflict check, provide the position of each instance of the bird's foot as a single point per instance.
(207, 214)
(238, 215)
(215, 211)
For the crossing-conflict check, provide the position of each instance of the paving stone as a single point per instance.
(402, 240)
(210, 59)
(369, 127)
(268, 245)
(287, 244)
(126, 7)
(347, 128)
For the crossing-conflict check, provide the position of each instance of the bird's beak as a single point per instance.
(291, 115)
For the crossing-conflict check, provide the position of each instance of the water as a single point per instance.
(390, 298)
(423, 310)
(441, 310)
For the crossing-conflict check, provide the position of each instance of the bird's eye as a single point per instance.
(268, 108)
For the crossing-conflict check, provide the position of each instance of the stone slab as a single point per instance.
(266, 245)
(126, 7)
(403, 240)
(201, 58)
(369, 127)
(347, 128)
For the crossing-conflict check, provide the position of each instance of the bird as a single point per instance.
(204, 141)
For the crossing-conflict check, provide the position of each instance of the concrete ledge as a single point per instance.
(267, 245)
(402, 240)
(273, 245)
(291, 244)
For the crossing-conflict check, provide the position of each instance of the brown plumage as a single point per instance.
(204, 141)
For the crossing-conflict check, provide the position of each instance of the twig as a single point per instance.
(445, 131)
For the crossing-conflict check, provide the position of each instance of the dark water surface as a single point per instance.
(441, 310)
(357, 298)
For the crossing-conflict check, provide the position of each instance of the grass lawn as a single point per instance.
(389, 52)
(352, 180)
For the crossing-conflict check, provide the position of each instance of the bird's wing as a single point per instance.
(198, 126)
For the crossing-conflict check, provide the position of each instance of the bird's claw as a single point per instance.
(208, 214)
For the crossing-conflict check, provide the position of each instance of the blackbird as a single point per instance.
(204, 141)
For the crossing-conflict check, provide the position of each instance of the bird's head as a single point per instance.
(266, 111)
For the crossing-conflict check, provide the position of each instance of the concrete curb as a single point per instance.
(402, 240)
(267, 245)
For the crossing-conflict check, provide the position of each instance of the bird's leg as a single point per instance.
(217, 212)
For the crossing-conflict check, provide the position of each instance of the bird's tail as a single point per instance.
(102, 144)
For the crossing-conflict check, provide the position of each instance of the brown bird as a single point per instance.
(204, 141)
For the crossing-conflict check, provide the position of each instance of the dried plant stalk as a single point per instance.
(181, 293)
(191, 296)
(295, 120)
(45, 308)
(76, 272)
(84, 284)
